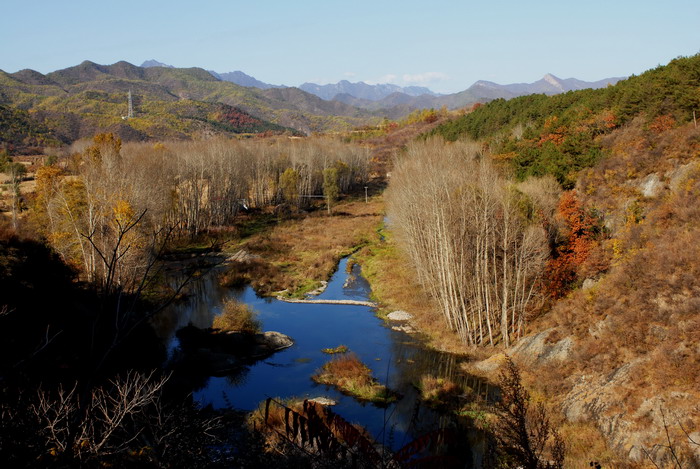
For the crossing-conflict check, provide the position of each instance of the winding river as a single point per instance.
(396, 358)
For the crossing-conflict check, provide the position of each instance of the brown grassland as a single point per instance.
(296, 255)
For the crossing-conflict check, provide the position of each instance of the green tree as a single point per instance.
(16, 172)
(331, 190)
(289, 185)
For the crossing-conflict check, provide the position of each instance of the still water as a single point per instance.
(397, 359)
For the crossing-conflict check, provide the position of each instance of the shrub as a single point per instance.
(237, 316)
(353, 377)
(523, 432)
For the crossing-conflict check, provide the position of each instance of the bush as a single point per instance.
(523, 434)
(353, 377)
(237, 316)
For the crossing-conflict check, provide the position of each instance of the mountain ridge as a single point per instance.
(87, 97)
(362, 90)
(396, 100)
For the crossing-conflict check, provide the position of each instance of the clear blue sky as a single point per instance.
(445, 45)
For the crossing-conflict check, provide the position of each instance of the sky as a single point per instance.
(444, 45)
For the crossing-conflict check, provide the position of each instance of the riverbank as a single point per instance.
(395, 287)
(293, 257)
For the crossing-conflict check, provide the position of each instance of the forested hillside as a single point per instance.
(603, 184)
(559, 135)
(20, 129)
(81, 101)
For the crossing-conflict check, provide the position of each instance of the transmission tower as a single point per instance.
(131, 107)
(129, 114)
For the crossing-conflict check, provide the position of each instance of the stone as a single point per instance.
(651, 185)
(535, 349)
(221, 351)
(319, 290)
(489, 365)
(323, 401)
(679, 175)
(273, 340)
(399, 316)
(242, 256)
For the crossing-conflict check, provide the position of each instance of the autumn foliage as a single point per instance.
(581, 230)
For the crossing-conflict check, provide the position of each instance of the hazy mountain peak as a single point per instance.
(486, 84)
(554, 81)
(362, 90)
(155, 63)
(243, 79)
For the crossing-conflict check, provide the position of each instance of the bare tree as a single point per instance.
(472, 236)
(523, 433)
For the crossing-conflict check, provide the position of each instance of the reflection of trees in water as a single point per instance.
(202, 301)
(356, 285)
(413, 362)
(412, 416)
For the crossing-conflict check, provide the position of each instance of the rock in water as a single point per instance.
(271, 341)
(324, 401)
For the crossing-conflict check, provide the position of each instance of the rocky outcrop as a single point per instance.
(539, 349)
(633, 427)
(242, 256)
(601, 399)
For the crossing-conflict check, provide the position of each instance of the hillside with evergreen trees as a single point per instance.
(560, 134)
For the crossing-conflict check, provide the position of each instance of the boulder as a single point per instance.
(399, 316)
(537, 349)
(271, 342)
(324, 401)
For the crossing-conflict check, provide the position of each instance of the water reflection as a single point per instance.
(396, 359)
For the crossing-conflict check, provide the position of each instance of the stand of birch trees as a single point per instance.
(111, 213)
(475, 238)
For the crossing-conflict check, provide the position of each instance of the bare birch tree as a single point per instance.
(473, 238)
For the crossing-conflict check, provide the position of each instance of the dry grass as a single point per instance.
(585, 444)
(237, 316)
(338, 349)
(645, 308)
(353, 377)
(439, 392)
(297, 254)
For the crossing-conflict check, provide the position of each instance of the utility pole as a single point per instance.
(366, 194)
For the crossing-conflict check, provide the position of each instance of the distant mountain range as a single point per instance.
(481, 91)
(237, 77)
(242, 79)
(397, 99)
(362, 90)
(171, 102)
(394, 101)
(549, 84)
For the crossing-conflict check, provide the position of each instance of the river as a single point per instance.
(396, 358)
